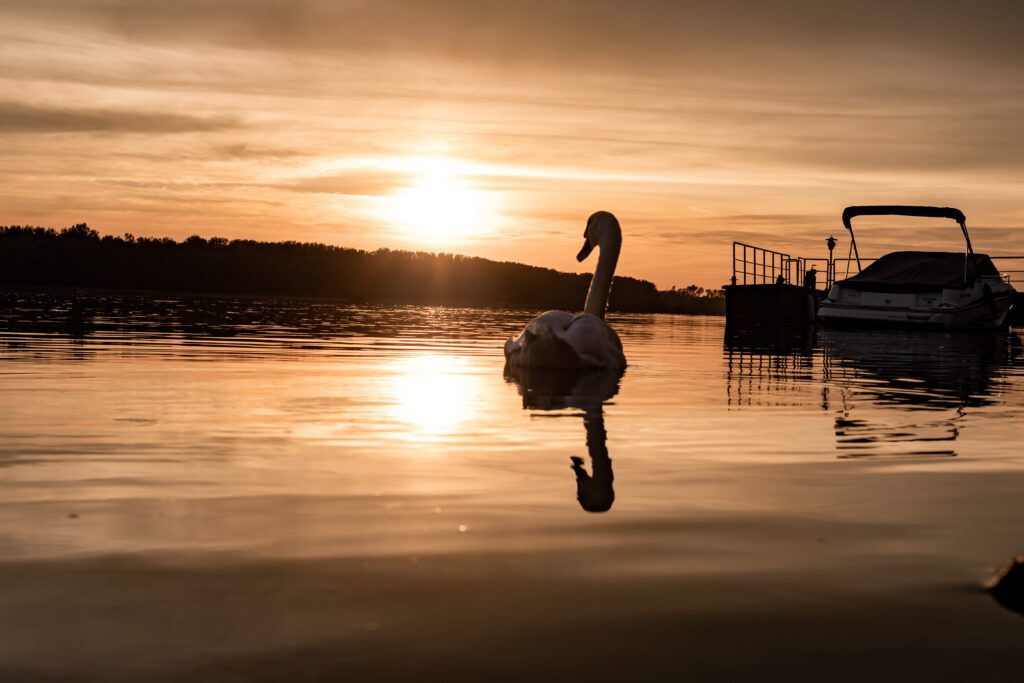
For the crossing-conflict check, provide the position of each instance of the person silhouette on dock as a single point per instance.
(811, 278)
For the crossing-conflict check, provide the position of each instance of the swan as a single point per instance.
(557, 339)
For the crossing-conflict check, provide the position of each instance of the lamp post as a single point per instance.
(830, 275)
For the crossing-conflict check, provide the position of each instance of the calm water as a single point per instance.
(270, 490)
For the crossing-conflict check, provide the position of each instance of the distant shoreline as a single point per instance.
(79, 258)
(157, 293)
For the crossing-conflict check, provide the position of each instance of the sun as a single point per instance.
(441, 204)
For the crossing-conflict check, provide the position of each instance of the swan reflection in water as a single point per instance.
(585, 390)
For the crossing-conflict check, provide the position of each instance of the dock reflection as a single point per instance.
(587, 391)
(891, 392)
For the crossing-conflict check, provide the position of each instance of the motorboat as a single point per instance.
(919, 288)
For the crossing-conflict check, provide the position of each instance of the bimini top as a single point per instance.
(921, 271)
(894, 210)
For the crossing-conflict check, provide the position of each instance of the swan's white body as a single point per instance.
(557, 339)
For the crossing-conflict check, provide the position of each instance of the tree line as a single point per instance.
(80, 257)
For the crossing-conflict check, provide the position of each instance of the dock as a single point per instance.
(768, 287)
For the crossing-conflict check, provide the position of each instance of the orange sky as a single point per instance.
(495, 128)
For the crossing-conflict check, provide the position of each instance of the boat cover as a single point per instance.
(919, 271)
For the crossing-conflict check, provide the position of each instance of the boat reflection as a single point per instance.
(892, 393)
(587, 391)
(932, 378)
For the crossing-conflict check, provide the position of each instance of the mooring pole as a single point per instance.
(830, 276)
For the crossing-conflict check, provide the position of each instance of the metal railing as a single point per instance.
(758, 266)
(846, 266)
(1008, 273)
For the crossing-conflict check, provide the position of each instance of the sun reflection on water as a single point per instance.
(433, 393)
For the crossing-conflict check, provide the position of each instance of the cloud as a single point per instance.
(19, 118)
(580, 31)
(362, 182)
(246, 151)
(697, 122)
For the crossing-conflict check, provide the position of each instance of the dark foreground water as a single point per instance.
(223, 490)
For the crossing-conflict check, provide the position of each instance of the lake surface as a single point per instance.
(237, 489)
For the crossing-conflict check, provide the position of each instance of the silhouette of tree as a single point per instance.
(79, 257)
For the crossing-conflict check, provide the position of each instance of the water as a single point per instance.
(207, 489)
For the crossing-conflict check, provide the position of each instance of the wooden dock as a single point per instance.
(770, 304)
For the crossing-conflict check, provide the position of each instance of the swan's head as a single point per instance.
(601, 226)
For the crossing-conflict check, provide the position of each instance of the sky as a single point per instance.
(495, 128)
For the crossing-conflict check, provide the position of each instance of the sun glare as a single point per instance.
(434, 394)
(441, 205)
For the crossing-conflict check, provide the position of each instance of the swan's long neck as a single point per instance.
(601, 285)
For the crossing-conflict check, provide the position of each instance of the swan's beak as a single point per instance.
(585, 251)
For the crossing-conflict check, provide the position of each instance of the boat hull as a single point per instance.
(976, 312)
